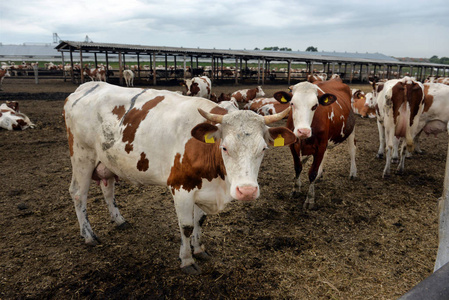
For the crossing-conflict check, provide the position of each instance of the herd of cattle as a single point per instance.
(207, 149)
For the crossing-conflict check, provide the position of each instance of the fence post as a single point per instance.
(36, 74)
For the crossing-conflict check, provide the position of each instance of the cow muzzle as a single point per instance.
(303, 133)
(246, 193)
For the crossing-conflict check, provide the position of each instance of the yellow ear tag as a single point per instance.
(283, 99)
(362, 97)
(326, 100)
(209, 140)
(279, 141)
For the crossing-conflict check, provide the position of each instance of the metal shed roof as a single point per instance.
(294, 56)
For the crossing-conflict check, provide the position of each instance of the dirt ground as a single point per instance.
(372, 238)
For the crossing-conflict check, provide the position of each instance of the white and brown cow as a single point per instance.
(443, 220)
(198, 87)
(248, 94)
(12, 119)
(267, 106)
(321, 114)
(205, 156)
(435, 116)
(3, 73)
(360, 104)
(399, 105)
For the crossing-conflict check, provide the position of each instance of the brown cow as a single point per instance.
(321, 113)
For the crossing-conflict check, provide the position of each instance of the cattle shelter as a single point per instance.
(351, 67)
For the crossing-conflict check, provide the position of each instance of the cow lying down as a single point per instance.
(12, 119)
(204, 155)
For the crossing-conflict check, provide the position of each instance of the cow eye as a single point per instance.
(224, 149)
(315, 107)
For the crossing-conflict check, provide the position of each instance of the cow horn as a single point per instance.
(279, 116)
(211, 117)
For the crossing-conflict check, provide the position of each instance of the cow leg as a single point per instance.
(395, 155)
(184, 205)
(313, 173)
(298, 168)
(389, 136)
(401, 165)
(81, 179)
(381, 129)
(199, 250)
(108, 193)
(352, 151)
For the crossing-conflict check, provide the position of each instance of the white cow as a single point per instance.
(12, 119)
(400, 105)
(205, 156)
(198, 87)
(129, 77)
(443, 220)
(435, 115)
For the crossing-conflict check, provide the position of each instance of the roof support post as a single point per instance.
(154, 68)
(82, 66)
(184, 66)
(236, 79)
(258, 71)
(120, 68)
(138, 66)
(289, 70)
(72, 73)
(107, 66)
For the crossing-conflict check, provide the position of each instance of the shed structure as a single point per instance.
(353, 67)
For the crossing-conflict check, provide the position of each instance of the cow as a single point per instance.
(204, 155)
(229, 105)
(129, 77)
(360, 104)
(95, 73)
(443, 220)
(12, 119)
(248, 94)
(198, 87)
(267, 106)
(399, 105)
(321, 114)
(3, 73)
(435, 114)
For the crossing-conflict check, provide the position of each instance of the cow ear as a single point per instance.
(206, 133)
(281, 136)
(327, 99)
(282, 97)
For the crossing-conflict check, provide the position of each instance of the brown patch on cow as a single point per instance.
(143, 163)
(251, 94)
(188, 230)
(428, 99)
(218, 110)
(133, 119)
(194, 88)
(402, 93)
(119, 111)
(70, 137)
(200, 161)
(238, 96)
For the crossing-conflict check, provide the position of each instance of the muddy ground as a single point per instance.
(372, 238)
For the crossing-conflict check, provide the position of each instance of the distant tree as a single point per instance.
(285, 49)
(256, 48)
(444, 60)
(434, 59)
(268, 48)
(312, 49)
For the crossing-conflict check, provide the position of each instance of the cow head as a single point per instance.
(260, 92)
(243, 136)
(192, 87)
(304, 101)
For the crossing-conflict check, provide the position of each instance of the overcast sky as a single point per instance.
(411, 28)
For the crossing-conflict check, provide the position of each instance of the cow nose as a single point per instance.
(246, 193)
(303, 133)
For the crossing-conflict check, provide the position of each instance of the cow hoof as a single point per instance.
(123, 226)
(295, 195)
(94, 241)
(355, 178)
(193, 269)
(379, 155)
(394, 160)
(309, 206)
(205, 256)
